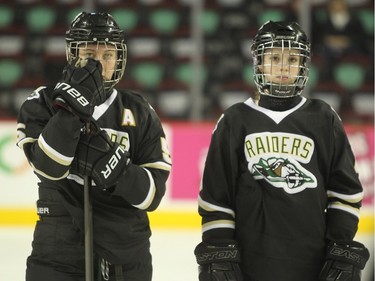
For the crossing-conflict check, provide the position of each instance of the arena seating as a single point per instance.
(160, 50)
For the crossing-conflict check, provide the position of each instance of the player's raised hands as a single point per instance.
(81, 88)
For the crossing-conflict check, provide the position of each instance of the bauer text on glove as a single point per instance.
(81, 89)
(96, 156)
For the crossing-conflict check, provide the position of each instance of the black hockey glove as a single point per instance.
(344, 261)
(97, 157)
(81, 88)
(218, 261)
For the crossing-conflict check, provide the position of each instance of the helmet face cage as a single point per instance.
(94, 29)
(280, 61)
(72, 52)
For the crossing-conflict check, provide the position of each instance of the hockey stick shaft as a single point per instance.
(89, 257)
(89, 245)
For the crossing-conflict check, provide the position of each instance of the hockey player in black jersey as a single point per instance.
(280, 197)
(123, 151)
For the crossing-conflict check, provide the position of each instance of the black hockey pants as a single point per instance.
(58, 254)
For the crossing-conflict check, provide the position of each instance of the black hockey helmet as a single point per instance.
(289, 37)
(97, 28)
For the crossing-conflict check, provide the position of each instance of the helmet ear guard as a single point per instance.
(287, 37)
(97, 28)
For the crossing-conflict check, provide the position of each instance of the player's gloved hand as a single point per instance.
(99, 158)
(344, 261)
(81, 88)
(218, 261)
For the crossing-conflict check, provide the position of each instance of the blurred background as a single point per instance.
(191, 60)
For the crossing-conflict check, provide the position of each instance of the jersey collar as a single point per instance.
(102, 108)
(276, 116)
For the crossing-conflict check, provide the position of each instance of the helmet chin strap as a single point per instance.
(281, 91)
(278, 103)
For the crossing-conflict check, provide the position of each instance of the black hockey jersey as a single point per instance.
(49, 140)
(281, 184)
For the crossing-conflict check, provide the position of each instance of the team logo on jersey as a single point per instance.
(122, 138)
(284, 173)
(277, 157)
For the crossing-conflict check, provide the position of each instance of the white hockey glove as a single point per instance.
(344, 261)
(80, 89)
(218, 261)
(99, 158)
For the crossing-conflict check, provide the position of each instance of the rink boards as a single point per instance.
(188, 143)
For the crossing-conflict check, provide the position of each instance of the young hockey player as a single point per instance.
(123, 151)
(280, 198)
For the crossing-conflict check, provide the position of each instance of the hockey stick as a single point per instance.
(89, 259)
(89, 256)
